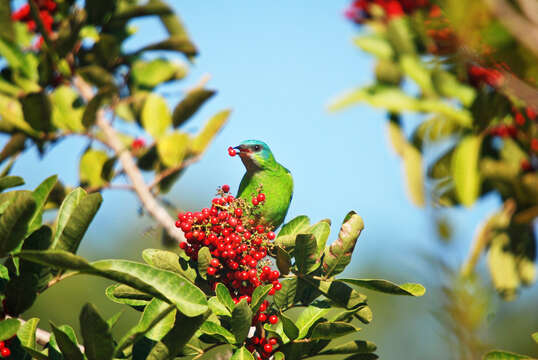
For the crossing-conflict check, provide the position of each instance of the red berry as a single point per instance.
(520, 119)
(182, 245)
(526, 165)
(211, 271)
(5, 352)
(277, 286)
(238, 212)
(260, 229)
(225, 188)
(266, 269)
(273, 341)
(255, 201)
(138, 143)
(267, 348)
(531, 113)
(215, 263)
(271, 235)
(231, 151)
(2, 344)
(534, 145)
(261, 197)
(262, 317)
(273, 319)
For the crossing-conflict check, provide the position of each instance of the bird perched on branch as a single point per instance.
(275, 179)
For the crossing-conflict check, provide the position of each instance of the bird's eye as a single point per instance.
(257, 147)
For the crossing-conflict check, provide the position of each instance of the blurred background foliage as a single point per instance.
(456, 319)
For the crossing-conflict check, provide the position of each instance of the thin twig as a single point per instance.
(129, 166)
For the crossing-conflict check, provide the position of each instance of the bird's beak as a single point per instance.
(242, 149)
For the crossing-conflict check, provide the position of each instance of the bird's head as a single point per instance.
(256, 155)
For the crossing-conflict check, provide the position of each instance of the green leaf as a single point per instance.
(286, 295)
(448, 85)
(91, 168)
(37, 110)
(283, 261)
(180, 44)
(123, 294)
(40, 196)
(367, 356)
(503, 266)
(278, 356)
(159, 330)
(69, 349)
(286, 235)
(375, 45)
(215, 330)
(7, 182)
(8, 328)
(258, 295)
(351, 347)
(210, 130)
(17, 60)
(6, 25)
(306, 253)
(113, 320)
(217, 307)
(166, 285)
(321, 231)
(388, 287)
(98, 342)
(414, 174)
(155, 115)
(340, 293)
(90, 113)
(15, 220)
(26, 333)
(241, 320)
(149, 74)
(338, 254)
(290, 329)
(242, 354)
(167, 260)
(223, 294)
(74, 217)
(332, 330)
(413, 67)
(309, 317)
(172, 148)
(400, 36)
(465, 171)
(64, 113)
(96, 75)
(393, 99)
(190, 104)
(504, 355)
(184, 328)
(535, 337)
(155, 313)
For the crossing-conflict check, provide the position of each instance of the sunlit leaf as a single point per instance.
(98, 342)
(8, 328)
(190, 104)
(388, 287)
(172, 148)
(201, 141)
(338, 254)
(69, 349)
(156, 117)
(332, 330)
(242, 354)
(306, 253)
(15, 220)
(464, 169)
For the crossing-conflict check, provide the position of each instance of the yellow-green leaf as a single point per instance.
(172, 148)
(156, 117)
(464, 168)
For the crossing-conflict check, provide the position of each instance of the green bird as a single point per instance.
(276, 181)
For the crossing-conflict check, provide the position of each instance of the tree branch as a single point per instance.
(129, 166)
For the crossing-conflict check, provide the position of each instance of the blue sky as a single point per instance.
(277, 64)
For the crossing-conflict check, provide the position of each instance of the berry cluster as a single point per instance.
(239, 244)
(47, 8)
(4, 350)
